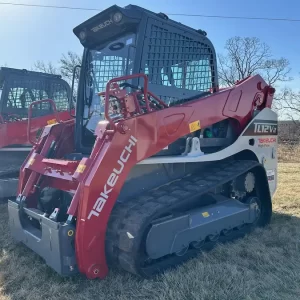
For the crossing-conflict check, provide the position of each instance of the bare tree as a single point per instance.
(64, 67)
(49, 68)
(67, 64)
(288, 102)
(249, 56)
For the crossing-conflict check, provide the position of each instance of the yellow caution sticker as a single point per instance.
(205, 214)
(52, 121)
(31, 161)
(194, 126)
(80, 168)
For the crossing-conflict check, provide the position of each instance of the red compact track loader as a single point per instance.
(159, 164)
(19, 90)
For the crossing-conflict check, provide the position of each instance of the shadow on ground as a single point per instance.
(264, 265)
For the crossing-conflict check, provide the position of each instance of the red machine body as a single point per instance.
(95, 181)
(14, 132)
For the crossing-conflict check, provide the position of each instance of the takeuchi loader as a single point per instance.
(159, 164)
(19, 91)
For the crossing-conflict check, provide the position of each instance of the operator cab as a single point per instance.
(19, 88)
(180, 62)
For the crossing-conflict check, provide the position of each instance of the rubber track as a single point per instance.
(135, 215)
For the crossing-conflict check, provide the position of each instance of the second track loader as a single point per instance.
(19, 89)
(159, 165)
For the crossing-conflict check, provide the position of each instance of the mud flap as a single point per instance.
(53, 241)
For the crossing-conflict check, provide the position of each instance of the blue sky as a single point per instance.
(28, 34)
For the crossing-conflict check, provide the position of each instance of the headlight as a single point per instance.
(117, 17)
(82, 35)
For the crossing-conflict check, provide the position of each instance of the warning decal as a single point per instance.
(194, 126)
(271, 175)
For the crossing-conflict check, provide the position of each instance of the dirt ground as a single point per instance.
(265, 265)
